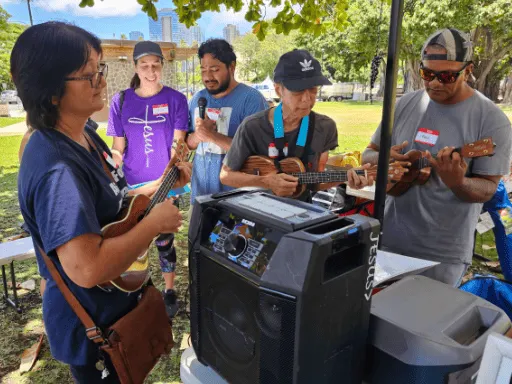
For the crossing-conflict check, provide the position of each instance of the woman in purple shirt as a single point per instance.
(144, 120)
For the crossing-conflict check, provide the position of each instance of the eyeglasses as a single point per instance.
(444, 77)
(94, 79)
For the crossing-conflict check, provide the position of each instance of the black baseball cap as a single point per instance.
(457, 44)
(146, 48)
(298, 70)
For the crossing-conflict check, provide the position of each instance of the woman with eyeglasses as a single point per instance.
(68, 192)
(144, 120)
(436, 221)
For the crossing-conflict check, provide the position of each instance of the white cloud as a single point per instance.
(101, 8)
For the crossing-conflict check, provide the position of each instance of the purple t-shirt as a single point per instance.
(148, 123)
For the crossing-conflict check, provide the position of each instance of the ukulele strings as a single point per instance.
(323, 177)
(164, 189)
(166, 186)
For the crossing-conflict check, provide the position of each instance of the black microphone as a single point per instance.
(201, 103)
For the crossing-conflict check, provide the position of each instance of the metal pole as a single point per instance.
(176, 74)
(30, 12)
(193, 74)
(186, 76)
(388, 109)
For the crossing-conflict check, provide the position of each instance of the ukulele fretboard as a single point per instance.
(324, 177)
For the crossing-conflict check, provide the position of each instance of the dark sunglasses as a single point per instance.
(444, 77)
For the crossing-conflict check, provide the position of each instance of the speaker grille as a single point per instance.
(228, 327)
(233, 328)
(277, 338)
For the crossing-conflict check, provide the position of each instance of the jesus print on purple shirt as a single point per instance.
(148, 124)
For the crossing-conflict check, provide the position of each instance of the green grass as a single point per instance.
(6, 121)
(508, 110)
(356, 123)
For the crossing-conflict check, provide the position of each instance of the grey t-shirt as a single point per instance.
(255, 134)
(429, 221)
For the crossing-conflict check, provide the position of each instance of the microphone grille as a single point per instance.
(201, 102)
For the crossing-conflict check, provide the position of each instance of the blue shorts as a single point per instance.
(172, 192)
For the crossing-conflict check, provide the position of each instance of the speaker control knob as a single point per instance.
(235, 244)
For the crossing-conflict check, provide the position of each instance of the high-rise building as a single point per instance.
(167, 24)
(136, 35)
(190, 35)
(197, 35)
(230, 33)
(166, 28)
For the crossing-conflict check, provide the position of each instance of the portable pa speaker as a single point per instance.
(280, 289)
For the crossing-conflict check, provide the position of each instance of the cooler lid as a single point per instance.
(422, 321)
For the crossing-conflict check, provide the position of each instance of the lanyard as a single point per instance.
(279, 129)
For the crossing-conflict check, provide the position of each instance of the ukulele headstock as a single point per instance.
(479, 148)
(181, 151)
(395, 171)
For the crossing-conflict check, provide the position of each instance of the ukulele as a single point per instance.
(420, 169)
(138, 207)
(263, 165)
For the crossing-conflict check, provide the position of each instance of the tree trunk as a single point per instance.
(382, 78)
(413, 81)
(492, 90)
(487, 67)
(507, 97)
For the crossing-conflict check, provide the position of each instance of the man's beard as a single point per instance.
(222, 87)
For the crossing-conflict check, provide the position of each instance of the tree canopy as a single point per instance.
(311, 16)
(9, 32)
(346, 35)
(257, 59)
(350, 51)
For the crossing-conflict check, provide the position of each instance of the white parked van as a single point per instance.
(336, 92)
(266, 87)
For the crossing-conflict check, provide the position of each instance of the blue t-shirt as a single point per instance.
(64, 192)
(229, 112)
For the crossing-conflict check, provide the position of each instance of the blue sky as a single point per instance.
(109, 17)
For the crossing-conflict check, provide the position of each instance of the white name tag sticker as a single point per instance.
(427, 136)
(485, 223)
(161, 109)
(213, 113)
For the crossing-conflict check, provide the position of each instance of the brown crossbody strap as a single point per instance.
(92, 331)
(102, 160)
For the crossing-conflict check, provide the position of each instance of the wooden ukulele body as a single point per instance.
(134, 210)
(138, 273)
(419, 171)
(415, 176)
(263, 166)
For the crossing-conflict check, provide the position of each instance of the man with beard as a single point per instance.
(437, 221)
(228, 104)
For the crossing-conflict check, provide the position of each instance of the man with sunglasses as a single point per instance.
(437, 221)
